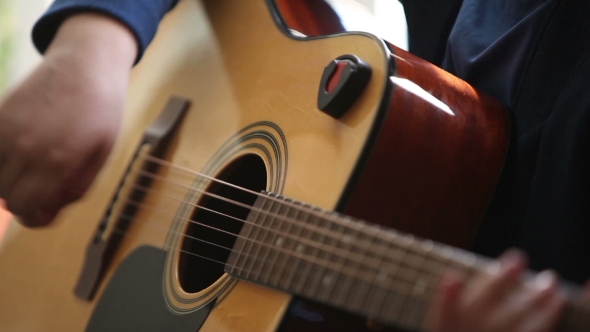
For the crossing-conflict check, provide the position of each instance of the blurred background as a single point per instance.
(18, 57)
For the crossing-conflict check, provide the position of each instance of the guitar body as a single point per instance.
(395, 158)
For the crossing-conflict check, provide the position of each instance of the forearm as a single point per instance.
(141, 17)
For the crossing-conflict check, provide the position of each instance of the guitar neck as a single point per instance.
(348, 264)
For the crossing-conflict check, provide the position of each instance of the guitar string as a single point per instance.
(293, 253)
(344, 222)
(411, 243)
(404, 294)
(362, 260)
(282, 202)
(396, 285)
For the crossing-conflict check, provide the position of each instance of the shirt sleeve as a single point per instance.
(141, 16)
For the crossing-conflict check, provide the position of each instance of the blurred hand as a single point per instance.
(58, 127)
(493, 302)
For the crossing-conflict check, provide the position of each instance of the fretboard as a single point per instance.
(330, 258)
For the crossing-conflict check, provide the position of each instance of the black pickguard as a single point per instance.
(134, 300)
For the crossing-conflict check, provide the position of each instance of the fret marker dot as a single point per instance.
(470, 259)
(428, 245)
(419, 287)
(447, 252)
(280, 241)
(300, 248)
(409, 239)
(327, 280)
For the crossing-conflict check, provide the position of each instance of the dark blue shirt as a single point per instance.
(491, 41)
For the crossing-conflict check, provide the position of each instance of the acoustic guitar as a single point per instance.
(233, 201)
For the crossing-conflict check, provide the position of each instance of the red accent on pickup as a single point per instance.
(336, 76)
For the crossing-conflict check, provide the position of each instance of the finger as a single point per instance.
(9, 175)
(546, 317)
(525, 300)
(512, 264)
(442, 316)
(34, 197)
(545, 286)
(79, 180)
(487, 290)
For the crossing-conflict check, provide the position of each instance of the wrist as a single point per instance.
(95, 40)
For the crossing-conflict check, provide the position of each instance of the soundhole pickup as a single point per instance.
(116, 219)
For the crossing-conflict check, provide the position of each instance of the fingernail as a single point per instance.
(545, 280)
(512, 257)
(494, 268)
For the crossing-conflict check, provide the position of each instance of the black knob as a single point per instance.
(343, 81)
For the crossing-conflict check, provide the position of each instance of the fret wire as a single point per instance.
(405, 272)
(433, 269)
(342, 281)
(404, 255)
(256, 237)
(246, 244)
(370, 261)
(367, 250)
(334, 276)
(354, 273)
(303, 281)
(275, 241)
(415, 302)
(316, 283)
(357, 225)
(354, 256)
(290, 266)
(345, 287)
(270, 240)
(341, 244)
(393, 300)
(274, 266)
(380, 290)
(356, 269)
(402, 271)
(298, 272)
(302, 216)
(361, 293)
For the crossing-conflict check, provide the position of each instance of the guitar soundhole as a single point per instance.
(195, 271)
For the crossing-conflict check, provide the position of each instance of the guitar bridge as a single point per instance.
(106, 240)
